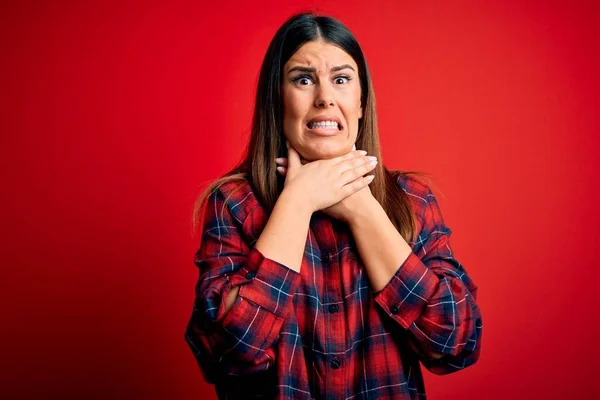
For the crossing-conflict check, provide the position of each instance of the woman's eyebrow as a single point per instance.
(312, 70)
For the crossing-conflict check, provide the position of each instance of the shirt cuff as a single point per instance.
(268, 283)
(409, 290)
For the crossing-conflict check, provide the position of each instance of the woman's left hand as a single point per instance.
(348, 207)
(345, 209)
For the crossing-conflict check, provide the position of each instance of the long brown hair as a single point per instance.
(267, 141)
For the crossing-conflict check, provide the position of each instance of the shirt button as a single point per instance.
(333, 308)
(326, 258)
(250, 275)
(394, 309)
(335, 363)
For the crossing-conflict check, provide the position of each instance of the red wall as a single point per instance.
(113, 116)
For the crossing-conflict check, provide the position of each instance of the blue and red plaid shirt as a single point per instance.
(322, 333)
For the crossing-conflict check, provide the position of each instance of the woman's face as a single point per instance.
(321, 81)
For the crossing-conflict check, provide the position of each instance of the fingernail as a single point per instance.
(362, 152)
(279, 160)
(287, 144)
(354, 147)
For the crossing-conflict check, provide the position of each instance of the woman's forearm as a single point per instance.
(283, 238)
(380, 245)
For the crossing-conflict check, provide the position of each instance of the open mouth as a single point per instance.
(324, 126)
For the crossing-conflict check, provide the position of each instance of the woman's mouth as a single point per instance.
(324, 128)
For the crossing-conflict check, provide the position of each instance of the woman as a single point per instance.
(316, 281)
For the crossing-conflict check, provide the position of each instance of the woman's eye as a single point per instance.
(303, 80)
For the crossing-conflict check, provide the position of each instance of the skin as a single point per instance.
(308, 94)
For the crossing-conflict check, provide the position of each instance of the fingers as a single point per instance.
(357, 168)
(282, 170)
(284, 161)
(348, 176)
(348, 156)
(354, 162)
(357, 185)
(347, 189)
(350, 161)
(281, 161)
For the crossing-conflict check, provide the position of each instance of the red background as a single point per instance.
(114, 116)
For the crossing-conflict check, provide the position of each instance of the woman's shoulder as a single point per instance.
(425, 204)
(238, 196)
(418, 188)
(414, 184)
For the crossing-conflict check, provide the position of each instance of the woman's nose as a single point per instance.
(324, 98)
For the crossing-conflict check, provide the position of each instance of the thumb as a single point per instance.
(293, 157)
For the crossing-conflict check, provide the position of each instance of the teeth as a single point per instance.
(324, 124)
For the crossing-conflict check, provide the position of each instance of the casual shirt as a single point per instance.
(322, 333)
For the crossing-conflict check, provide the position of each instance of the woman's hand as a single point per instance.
(350, 206)
(325, 183)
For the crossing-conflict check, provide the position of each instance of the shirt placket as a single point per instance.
(334, 312)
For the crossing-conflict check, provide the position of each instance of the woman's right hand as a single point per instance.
(323, 183)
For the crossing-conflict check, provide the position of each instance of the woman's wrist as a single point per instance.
(365, 213)
(296, 201)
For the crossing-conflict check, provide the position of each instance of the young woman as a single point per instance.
(315, 280)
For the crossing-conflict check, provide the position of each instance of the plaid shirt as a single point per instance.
(322, 333)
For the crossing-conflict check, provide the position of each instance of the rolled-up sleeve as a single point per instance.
(241, 341)
(433, 298)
